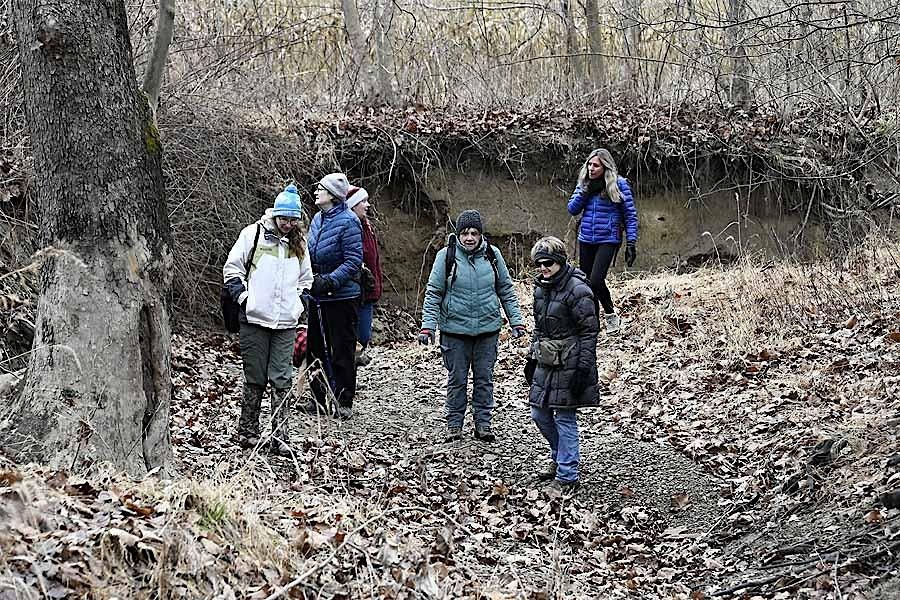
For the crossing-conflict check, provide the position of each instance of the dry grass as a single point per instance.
(752, 305)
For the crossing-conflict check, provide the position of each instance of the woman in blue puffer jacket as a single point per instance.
(606, 205)
(335, 247)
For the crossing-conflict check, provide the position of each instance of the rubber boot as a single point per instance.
(248, 426)
(281, 412)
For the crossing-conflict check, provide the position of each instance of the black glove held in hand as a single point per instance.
(321, 286)
(630, 254)
(530, 366)
(578, 384)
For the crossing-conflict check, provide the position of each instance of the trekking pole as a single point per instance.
(326, 364)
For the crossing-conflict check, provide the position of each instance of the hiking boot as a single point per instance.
(312, 407)
(280, 448)
(547, 474)
(363, 358)
(613, 324)
(454, 434)
(248, 425)
(343, 413)
(247, 441)
(565, 488)
(484, 433)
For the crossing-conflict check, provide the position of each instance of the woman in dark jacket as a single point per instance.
(562, 364)
(371, 273)
(335, 247)
(606, 205)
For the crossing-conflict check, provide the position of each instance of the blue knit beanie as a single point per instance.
(287, 204)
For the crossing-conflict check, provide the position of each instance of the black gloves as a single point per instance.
(579, 383)
(426, 336)
(321, 286)
(530, 366)
(630, 253)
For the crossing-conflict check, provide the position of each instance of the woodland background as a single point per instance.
(746, 442)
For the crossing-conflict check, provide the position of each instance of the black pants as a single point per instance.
(595, 260)
(341, 322)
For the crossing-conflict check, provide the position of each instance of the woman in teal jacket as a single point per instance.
(464, 303)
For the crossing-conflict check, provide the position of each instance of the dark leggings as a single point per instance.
(340, 319)
(595, 260)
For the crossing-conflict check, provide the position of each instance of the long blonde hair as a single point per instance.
(610, 173)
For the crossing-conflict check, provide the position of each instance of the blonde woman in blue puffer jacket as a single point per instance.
(606, 205)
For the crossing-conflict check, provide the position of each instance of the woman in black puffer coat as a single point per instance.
(562, 364)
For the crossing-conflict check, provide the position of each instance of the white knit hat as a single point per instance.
(355, 195)
(336, 184)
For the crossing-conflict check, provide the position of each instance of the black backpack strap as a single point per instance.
(450, 260)
(249, 262)
(491, 257)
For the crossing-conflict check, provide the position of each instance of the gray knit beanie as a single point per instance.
(336, 184)
(467, 219)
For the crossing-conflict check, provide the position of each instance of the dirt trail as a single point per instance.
(713, 400)
(745, 443)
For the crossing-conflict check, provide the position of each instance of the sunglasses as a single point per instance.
(545, 263)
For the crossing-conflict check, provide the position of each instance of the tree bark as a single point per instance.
(739, 68)
(633, 34)
(165, 27)
(574, 65)
(98, 384)
(595, 42)
(384, 52)
(359, 50)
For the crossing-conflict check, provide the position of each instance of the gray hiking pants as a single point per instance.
(460, 354)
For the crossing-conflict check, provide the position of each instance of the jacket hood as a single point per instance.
(268, 220)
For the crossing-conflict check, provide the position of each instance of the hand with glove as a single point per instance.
(579, 383)
(321, 286)
(518, 331)
(426, 336)
(530, 366)
(630, 253)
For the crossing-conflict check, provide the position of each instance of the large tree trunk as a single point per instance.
(632, 36)
(98, 384)
(739, 63)
(359, 50)
(384, 51)
(595, 41)
(574, 64)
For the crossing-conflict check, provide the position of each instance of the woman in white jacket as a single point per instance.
(267, 271)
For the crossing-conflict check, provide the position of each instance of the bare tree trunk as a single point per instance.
(165, 26)
(633, 34)
(359, 50)
(595, 42)
(739, 68)
(574, 65)
(98, 384)
(384, 52)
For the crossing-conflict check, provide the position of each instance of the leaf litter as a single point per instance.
(728, 459)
